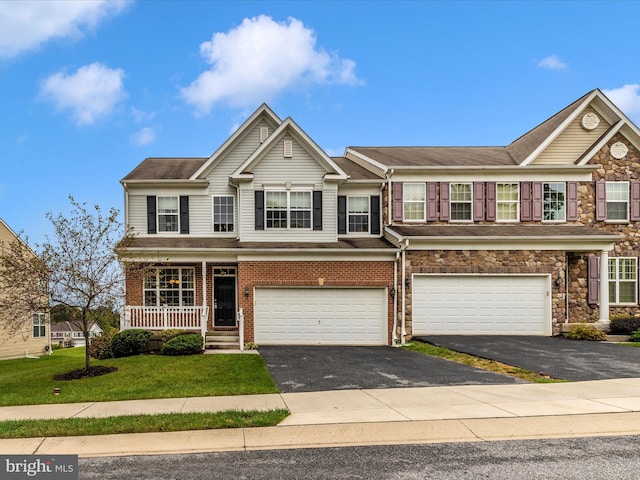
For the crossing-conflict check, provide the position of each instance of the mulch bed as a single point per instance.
(94, 371)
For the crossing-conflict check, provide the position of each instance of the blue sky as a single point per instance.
(91, 88)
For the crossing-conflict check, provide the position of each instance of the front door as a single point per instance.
(224, 301)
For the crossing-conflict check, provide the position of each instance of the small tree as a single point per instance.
(80, 262)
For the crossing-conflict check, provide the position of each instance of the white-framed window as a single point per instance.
(617, 201)
(168, 218)
(413, 201)
(623, 280)
(554, 202)
(461, 200)
(39, 325)
(288, 209)
(358, 214)
(172, 286)
(507, 202)
(223, 213)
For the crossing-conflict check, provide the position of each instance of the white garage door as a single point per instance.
(481, 304)
(320, 316)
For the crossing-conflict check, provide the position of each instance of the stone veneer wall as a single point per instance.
(488, 262)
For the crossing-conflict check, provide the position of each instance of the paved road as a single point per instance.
(559, 357)
(595, 458)
(312, 369)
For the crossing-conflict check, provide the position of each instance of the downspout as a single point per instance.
(404, 294)
(566, 288)
(389, 206)
(394, 339)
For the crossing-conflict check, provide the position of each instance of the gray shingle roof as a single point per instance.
(165, 169)
(199, 243)
(514, 230)
(355, 171)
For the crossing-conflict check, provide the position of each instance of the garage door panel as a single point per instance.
(480, 304)
(313, 316)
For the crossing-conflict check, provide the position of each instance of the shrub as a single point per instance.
(170, 333)
(187, 344)
(251, 346)
(635, 336)
(130, 342)
(585, 332)
(624, 325)
(100, 346)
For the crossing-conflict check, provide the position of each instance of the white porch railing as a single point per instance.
(162, 318)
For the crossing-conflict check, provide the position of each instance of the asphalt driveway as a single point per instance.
(572, 360)
(311, 369)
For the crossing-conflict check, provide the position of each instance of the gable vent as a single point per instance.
(590, 121)
(619, 150)
(288, 149)
(264, 133)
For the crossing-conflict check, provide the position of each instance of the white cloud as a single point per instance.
(552, 62)
(141, 116)
(92, 92)
(27, 24)
(627, 99)
(146, 136)
(259, 59)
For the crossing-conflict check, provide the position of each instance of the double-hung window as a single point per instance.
(358, 212)
(413, 199)
(288, 209)
(223, 214)
(39, 324)
(169, 287)
(623, 280)
(461, 198)
(618, 201)
(168, 214)
(507, 198)
(554, 202)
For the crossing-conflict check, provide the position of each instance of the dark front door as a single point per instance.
(224, 298)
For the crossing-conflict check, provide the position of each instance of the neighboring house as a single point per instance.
(33, 338)
(70, 335)
(386, 243)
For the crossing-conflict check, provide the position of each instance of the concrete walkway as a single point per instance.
(359, 417)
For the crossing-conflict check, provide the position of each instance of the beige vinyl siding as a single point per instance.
(137, 214)
(23, 343)
(200, 215)
(572, 142)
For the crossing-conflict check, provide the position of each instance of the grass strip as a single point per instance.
(168, 422)
(483, 363)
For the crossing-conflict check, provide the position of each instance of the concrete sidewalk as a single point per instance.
(359, 417)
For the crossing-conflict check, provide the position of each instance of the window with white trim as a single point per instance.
(507, 201)
(170, 287)
(168, 214)
(554, 202)
(288, 209)
(39, 325)
(617, 201)
(223, 214)
(623, 280)
(358, 214)
(413, 201)
(461, 201)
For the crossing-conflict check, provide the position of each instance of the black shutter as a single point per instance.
(342, 214)
(259, 209)
(317, 209)
(184, 214)
(151, 214)
(375, 215)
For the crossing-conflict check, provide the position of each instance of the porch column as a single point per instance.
(603, 293)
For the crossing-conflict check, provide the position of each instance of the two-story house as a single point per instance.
(31, 336)
(386, 243)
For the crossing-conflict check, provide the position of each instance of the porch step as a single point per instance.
(228, 339)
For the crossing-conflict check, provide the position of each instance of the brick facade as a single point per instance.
(311, 274)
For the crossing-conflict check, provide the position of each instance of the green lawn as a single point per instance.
(30, 381)
(170, 422)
